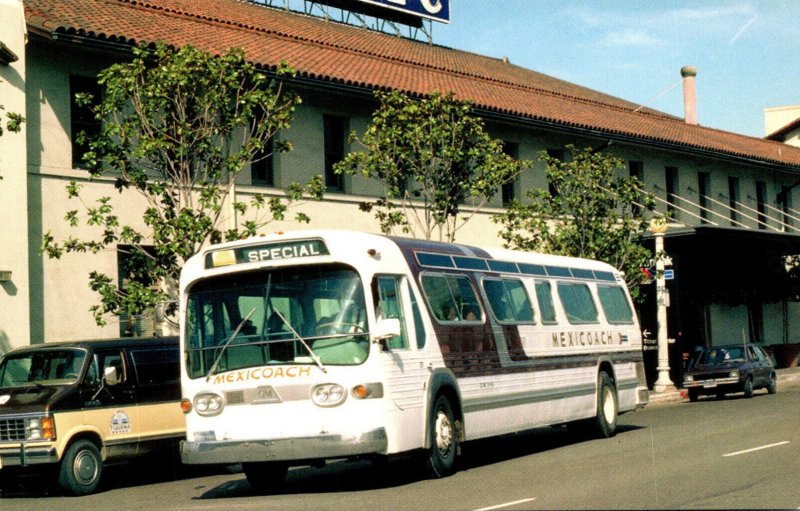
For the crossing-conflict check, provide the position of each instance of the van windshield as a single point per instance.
(42, 367)
(284, 316)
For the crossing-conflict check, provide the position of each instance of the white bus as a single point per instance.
(318, 345)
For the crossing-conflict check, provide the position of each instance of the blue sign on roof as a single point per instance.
(438, 10)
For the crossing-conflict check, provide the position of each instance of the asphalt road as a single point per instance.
(713, 454)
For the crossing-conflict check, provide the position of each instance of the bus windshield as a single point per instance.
(42, 367)
(282, 316)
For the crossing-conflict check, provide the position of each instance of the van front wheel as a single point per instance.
(81, 468)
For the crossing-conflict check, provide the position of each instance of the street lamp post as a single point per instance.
(663, 383)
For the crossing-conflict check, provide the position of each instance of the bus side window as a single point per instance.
(508, 300)
(451, 298)
(544, 296)
(577, 302)
(419, 327)
(615, 304)
(390, 306)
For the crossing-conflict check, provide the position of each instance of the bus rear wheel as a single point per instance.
(441, 455)
(604, 423)
(607, 406)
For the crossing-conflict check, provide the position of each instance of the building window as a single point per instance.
(761, 204)
(262, 170)
(671, 177)
(703, 188)
(335, 130)
(559, 155)
(82, 121)
(636, 171)
(509, 189)
(733, 199)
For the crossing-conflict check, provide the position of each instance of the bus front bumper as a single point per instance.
(279, 449)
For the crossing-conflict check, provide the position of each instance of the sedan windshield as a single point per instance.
(286, 316)
(42, 367)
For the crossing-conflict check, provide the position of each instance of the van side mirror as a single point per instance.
(110, 376)
(386, 329)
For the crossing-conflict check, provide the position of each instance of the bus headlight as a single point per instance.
(40, 428)
(688, 377)
(734, 374)
(328, 394)
(208, 404)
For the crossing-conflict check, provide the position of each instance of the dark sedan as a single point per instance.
(720, 370)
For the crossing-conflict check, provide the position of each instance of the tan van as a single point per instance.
(80, 405)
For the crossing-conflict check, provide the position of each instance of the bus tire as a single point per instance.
(81, 468)
(607, 406)
(441, 456)
(265, 476)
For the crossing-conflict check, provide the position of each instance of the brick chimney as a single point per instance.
(689, 94)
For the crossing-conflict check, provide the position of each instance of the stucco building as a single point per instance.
(731, 195)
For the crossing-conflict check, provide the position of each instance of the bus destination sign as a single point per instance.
(273, 251)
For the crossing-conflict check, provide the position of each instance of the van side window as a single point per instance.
(508, 300)
(578, 303)
(451, 298)
(103, 360)
(615, 304)
(156, 366)
(391, 306)
(544, 296)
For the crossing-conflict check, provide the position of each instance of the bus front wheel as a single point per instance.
(441, 455)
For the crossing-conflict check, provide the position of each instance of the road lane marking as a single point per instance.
(755, 449)
(507, 504)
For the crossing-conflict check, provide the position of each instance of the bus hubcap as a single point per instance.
(444, 432)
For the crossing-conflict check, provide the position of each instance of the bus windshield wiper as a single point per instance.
(227, 343)
(314, 356)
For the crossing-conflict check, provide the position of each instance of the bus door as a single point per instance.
(403, 362)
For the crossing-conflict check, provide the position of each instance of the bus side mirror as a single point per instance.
(110, 376)
(386, 329)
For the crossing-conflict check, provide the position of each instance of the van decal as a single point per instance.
(120, 423)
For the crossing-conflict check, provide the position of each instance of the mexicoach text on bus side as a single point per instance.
(582, 338)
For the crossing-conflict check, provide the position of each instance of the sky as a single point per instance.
(747, 52)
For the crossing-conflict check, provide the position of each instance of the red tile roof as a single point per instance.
(355, 56)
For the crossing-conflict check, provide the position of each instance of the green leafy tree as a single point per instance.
(433, 157)
(593, 213)
(178, 126)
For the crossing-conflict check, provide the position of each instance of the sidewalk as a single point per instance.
(786, 375)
